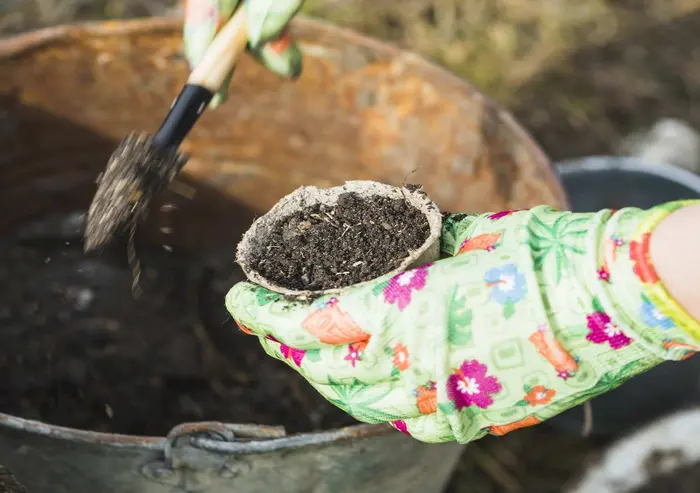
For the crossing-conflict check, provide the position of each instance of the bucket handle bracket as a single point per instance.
(190, 467)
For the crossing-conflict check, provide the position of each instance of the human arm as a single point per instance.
(528, 314)
(675, 253)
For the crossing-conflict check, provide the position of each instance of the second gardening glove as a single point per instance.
(531, 313)
(268, 39)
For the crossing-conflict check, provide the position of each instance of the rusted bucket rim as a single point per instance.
(247, 439)
(26, 42)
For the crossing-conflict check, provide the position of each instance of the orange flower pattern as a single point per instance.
(639, 254)
(332, 325)
(401, 360)
(244, 329)
(486, 241)
(281, 44)
(426, 398)
(500, 430)
(553, 351)
(539, 395)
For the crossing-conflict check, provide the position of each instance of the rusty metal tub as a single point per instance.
(361, 110)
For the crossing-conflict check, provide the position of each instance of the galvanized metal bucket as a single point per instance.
(362, 110)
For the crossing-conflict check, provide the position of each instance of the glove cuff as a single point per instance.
(630, 287)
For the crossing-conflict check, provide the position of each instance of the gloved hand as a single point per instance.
(531, 313)
(268, 38)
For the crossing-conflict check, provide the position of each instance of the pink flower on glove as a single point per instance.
(602, 329)
(400, 425)
(290, 353)
(469, 386)
(400, 288)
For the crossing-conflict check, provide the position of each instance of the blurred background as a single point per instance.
(580, 75)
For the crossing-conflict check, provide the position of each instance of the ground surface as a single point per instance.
(578, 74)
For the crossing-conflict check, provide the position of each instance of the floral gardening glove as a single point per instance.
(532, 313)
(268, 38)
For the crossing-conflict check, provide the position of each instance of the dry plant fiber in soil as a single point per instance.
(317, 240)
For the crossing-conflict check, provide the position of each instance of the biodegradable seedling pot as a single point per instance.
(306, 197)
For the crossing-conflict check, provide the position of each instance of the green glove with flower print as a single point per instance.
(529, 313)
(268, 38)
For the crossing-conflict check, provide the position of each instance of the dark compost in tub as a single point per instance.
(77, 350)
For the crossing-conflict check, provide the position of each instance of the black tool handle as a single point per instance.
(205, 80)
(183, 114)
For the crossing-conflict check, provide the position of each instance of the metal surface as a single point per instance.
(8, 482)
(597, 182)
(361, 110)
(215, 457)
(600, 182)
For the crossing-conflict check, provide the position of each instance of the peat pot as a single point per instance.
(596, 183)
(362, 110)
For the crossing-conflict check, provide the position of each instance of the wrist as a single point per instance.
(632, 290)
(586, 313)
(674, 249)
(569, 314)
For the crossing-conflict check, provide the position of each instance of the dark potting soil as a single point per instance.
(326, 247)
(76, 349)
(8, 482)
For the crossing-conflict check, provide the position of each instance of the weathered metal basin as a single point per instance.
(361, 110)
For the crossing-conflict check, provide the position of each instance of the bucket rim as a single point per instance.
(247, 446)
(26, 42)
(594, 164)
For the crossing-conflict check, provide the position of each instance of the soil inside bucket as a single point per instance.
(328, 247)
(76, 348)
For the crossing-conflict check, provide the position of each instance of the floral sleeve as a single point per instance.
(530, 313)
